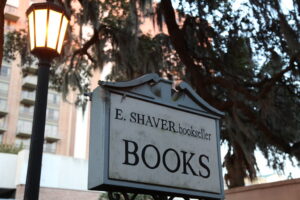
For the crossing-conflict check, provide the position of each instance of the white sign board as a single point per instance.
(158, 145)
(145, 138)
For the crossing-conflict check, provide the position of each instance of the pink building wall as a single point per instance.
(281, 190)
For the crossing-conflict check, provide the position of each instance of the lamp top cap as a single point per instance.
(47, 5)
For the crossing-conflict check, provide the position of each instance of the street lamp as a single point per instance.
(47, 27)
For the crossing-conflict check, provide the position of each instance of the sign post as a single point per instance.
(147, 137)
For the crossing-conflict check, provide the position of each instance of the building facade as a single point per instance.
(17, 98)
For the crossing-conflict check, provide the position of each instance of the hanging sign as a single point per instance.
(147, 137)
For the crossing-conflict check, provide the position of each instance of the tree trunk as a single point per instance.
(2, 6)
(235, 173)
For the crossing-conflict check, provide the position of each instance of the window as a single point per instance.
(53, 98)
(51, 129)
(3, 88)
(24, 142)
(1, 138)
(28, 94)
(5, 71)
(50, 147)
(2, 122)
(26, 110)
(52, 114)
(24, 126)
(3, 104)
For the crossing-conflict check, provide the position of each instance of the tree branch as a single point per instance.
(178, 40)
(269, 83)
(272, 138)
(231, 85)
(85, 47)
(176, 34)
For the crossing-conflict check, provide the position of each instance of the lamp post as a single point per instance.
(47, 27)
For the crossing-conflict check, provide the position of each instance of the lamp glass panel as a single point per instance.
(53, 28)
(62, 33)
(40, 27)
(31, 30)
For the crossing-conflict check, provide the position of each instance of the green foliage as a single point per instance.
(10, 148)
(120, 196)
(16, 44)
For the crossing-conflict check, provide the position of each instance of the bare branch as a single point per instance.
(85, 47)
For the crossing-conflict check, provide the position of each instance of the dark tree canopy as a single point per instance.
(243, 61)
